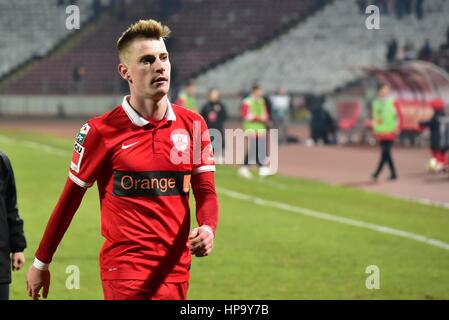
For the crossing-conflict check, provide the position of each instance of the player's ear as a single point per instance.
(124, 72)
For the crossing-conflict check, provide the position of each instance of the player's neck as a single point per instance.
(149, 109)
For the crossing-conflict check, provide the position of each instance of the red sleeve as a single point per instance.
(60, 219)
(202, 159)
(207, 210)
(244, 111)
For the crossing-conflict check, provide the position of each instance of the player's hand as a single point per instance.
(36, 280)
(17, 261)
(201, 241)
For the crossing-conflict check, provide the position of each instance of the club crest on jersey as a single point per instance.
(77, 156)
(180, 140)
(81, 135)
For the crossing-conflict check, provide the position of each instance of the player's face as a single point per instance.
(214, 95)
(149, 68)
(258, 93)
(191, 90)
(384, 91)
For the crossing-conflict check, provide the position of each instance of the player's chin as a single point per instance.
(161, 91)
(161, 86)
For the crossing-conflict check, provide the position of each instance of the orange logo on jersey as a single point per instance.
(151, 183)
(130, 183)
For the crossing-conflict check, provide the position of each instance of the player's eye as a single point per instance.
(148, 59)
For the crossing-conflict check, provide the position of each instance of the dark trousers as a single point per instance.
(385, 158)
(4, 291)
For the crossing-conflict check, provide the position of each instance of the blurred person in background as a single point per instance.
(280, 113)
(385, 129)
(438, 152)
(425, 53)
(392, 50)
(12, 238)
(187, 96)
(215, 114)
(408, 51)
(322, 126)
(78, 76)
(254, 114)
(361, 4)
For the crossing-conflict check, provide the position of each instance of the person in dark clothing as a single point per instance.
(330, 128)
(269, 107)
(425, 53)
(215, 114)
(392, 50)
(361, 4)
(12, 238)
(439, 153)
(322, 125)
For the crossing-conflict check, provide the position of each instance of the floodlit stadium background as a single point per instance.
(309, 232)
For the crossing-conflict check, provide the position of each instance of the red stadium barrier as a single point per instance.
(411, 112)
(348, 114)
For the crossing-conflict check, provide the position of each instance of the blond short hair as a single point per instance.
(147, 29)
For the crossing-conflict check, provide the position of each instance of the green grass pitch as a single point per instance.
(260, 252)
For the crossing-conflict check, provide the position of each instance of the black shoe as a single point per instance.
(392, 178)
(374, 177)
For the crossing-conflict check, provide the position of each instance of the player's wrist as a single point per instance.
(40, 265)
(208, 229)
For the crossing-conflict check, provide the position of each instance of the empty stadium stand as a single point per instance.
(32, 28)
(326, 51)
(230, 27)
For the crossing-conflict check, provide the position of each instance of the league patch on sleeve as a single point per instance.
(81, 135)
(77, 157)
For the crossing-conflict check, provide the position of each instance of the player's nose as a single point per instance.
(159, 66)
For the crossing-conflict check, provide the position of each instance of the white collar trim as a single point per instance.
(140, 121)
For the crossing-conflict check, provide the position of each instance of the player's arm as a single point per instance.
(38, 276)
(207, 211)
(203, 186)
(87, 160)
(245, 113)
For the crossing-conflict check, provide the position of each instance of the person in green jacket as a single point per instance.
(385, 128)
(254, 114)
(187, 98)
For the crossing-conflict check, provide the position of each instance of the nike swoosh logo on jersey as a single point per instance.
(129, 145)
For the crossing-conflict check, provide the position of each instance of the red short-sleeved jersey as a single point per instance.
(143, 172)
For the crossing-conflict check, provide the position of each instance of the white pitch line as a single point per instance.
(37, 146)
(425, 201)
(6, 139)
(335, 218)
(46, 148)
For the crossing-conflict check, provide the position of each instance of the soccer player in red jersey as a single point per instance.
(144, 155)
